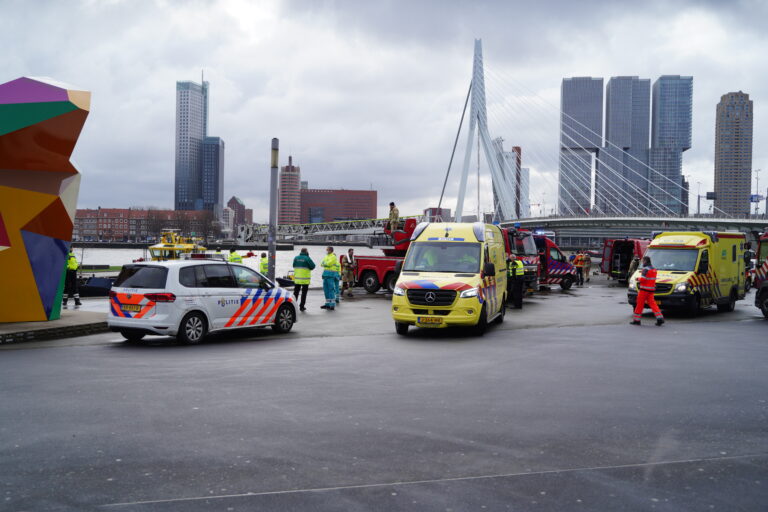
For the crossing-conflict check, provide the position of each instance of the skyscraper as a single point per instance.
(581, 129)
(213, 176)
(733, 154)
(670, 136)
(191, 133)
(289, 194)
(621, 178)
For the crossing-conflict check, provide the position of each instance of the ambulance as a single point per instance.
(454, 274)
(695, 270)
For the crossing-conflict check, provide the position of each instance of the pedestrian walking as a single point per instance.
(330, 266)
(71, 286)
(302, 275)
(264, 264)
(348, 267)
(578, 262)
(515, 281)
(234, 257)
(646, 285)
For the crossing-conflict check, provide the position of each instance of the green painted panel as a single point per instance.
(56, 309)
(16, 116)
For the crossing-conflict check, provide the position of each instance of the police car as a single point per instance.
(190, 298)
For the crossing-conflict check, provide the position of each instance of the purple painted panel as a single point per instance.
(25, 90)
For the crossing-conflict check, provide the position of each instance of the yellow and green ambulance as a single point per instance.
(696, 269)
(454, 274)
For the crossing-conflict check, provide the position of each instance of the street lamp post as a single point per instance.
(757, 191)
(272, 236)
(698, 199)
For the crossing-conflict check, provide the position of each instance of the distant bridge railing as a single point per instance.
(257, 232)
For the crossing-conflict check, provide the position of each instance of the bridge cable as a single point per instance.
(453, 153)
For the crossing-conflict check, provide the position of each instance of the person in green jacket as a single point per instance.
(302, 274)
(234, 257)
(264, 264)
(331, 270)
(70, 283)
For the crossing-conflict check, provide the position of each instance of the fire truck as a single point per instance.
(373, 272)
(760, 281)
(521, 243)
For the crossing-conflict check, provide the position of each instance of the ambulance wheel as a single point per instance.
(371, 282)
(284, 319)
(695, 307)
(566, 283)
(502, 311)
(192, 329)
(132, 336)
(401, 328)
(730, 305)
(764, 302)
(482, 323)
(390, 281)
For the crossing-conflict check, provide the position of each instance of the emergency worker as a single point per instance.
(578, 262)
(394, 218)
(348, 268)
(264, 264)
(646, 285)
(633, 267)
(587, 265)
(234, 257)
(71, 286)
(302, 274)
(331, 269)
(515, 281)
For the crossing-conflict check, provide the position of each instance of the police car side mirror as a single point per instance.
(489, 269)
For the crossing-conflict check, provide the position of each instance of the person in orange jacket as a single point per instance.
(646, 285)
(578, 262)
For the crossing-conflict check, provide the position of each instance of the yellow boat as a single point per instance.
(172, 245)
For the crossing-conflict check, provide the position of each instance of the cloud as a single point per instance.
(363, 94)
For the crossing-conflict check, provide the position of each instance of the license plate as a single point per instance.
(429, 320)
(130, 307)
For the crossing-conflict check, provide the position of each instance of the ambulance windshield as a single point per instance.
(443, 257)
(673, 259)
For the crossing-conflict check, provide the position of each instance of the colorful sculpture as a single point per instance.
(40, 121)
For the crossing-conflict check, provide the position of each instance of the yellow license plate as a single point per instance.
(429, 320)
(130, 307)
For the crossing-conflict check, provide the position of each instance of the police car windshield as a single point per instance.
(463, 257)
(673, 259)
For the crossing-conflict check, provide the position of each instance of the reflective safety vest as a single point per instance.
(235, 258)
(72, 262)
(330, 263)
(579, 260)
(647, 279)
(264, 265)
(301, 275)
(515, 269)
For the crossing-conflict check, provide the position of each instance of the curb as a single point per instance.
(53, 333)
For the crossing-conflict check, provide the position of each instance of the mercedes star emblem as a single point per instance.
(430, 297)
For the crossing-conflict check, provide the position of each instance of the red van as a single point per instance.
(618, 254)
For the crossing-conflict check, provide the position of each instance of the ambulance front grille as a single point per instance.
(663, 288)
(420, 297)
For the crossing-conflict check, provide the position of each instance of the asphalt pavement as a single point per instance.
(562, 407)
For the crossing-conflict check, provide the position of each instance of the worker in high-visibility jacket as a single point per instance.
(70, 283)
(264, 264)
(646, 285)
(331, 269)
(515, 281)
(234, 257)
(579, 262)
(302, 274)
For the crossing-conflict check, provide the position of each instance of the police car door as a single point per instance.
(259, 299)
(220, 294)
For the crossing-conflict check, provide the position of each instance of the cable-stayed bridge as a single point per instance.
(634, 198)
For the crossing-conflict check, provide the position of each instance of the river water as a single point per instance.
(117, 257)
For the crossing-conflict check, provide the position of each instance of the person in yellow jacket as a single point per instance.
(70, 283)
(234, 257)
(264, 264)
(331, 270)
(515, 281)
(302, 274)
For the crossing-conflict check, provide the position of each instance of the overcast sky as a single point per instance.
(366, 94)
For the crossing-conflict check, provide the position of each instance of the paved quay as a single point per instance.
(562, 407)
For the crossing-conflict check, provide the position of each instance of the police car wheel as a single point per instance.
(192, 329)
(284, 319)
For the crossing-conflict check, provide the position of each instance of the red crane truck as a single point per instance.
(373, 272)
